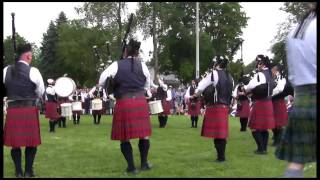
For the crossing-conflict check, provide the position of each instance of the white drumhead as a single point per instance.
(64, 86)
(66, 104)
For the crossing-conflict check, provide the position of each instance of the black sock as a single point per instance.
(265, 137)
(196, 121)
(126, 150)
(220, 145)
(99, 117)
(192, 121)
(160, 121)
(280, 131)
(95, 118)
(30, 153)
(144, 145)
(64, 121)
(16, 157)
(78, 121)
(243, 122)
(74, 118)
(60, 121)
(165, 119)
(258, 138)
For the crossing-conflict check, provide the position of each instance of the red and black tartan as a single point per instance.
(22, 127)
(194, 111)
(245, 109)
(131, 119)
(280, 112)
(165, 107)
(215, 122)
(52, 109)
(261, 115)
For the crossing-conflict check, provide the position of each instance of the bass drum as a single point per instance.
(64, 86)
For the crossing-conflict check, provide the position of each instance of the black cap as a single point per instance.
(23, 48)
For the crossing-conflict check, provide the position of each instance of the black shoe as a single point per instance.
(29, 174)
(132, 170)
(220, 160)
(260, 152)
(19, 174)
(146, 166)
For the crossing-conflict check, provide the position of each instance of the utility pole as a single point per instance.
(197, 40)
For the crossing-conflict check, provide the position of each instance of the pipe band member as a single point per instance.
(98, 92)
(131, 117)
(281, 90)
(23, 84)
(242, 100)
(76, 97)
(215, 123)
(194, 104)
(51, 105)
(261, 115)
(165, 96)
(298, 142)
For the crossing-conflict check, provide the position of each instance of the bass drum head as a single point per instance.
(64, 86)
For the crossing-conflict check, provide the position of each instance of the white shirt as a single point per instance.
(112, 70)
(206, 81)
(302, 56)
(35, 76)
(169, 95)
(104, 93)
(280, 85)
(83, 96)
(163, 85)
(254, 81)
(235, 91)
(187, 95)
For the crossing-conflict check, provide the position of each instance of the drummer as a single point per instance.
(165, 96)
(51, 105)
(131, 115)
(76, 97)
(97, 92)
(62, 119)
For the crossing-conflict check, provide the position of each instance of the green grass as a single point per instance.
(86, 150)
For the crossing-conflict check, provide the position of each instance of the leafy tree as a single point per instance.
(8, 48)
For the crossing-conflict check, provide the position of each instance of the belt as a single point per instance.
(131, 95)
(21, 103)
(217, 105)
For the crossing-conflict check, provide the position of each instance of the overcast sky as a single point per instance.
(32, 20)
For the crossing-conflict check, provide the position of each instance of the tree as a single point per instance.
(220, 28)
(106, 16)
(296, 12)
(51, 66)
(8, 48)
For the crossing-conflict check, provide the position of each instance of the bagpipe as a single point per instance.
(14, 37)
(110, 84)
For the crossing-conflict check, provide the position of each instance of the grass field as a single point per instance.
(86, 150)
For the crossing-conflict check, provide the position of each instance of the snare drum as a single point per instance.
(76, 106)
(155, 107)
(96, 104)
(66, 110)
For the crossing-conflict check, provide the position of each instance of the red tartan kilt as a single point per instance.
(22, 127)
(194, 111)
(131, 119)
(166, 107)
(215, 123)
(99, 112)
(280, 112)
(245, 110)
(77, 112)
(261, 115)
(52, 110)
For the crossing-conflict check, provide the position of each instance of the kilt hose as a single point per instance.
(215, 122)
(244, 110)
(131, 119)
(195, 109)
(52, 109)
(166, 108)
(298, 141)
(261, 115)
(22, 127)
(280, 112)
